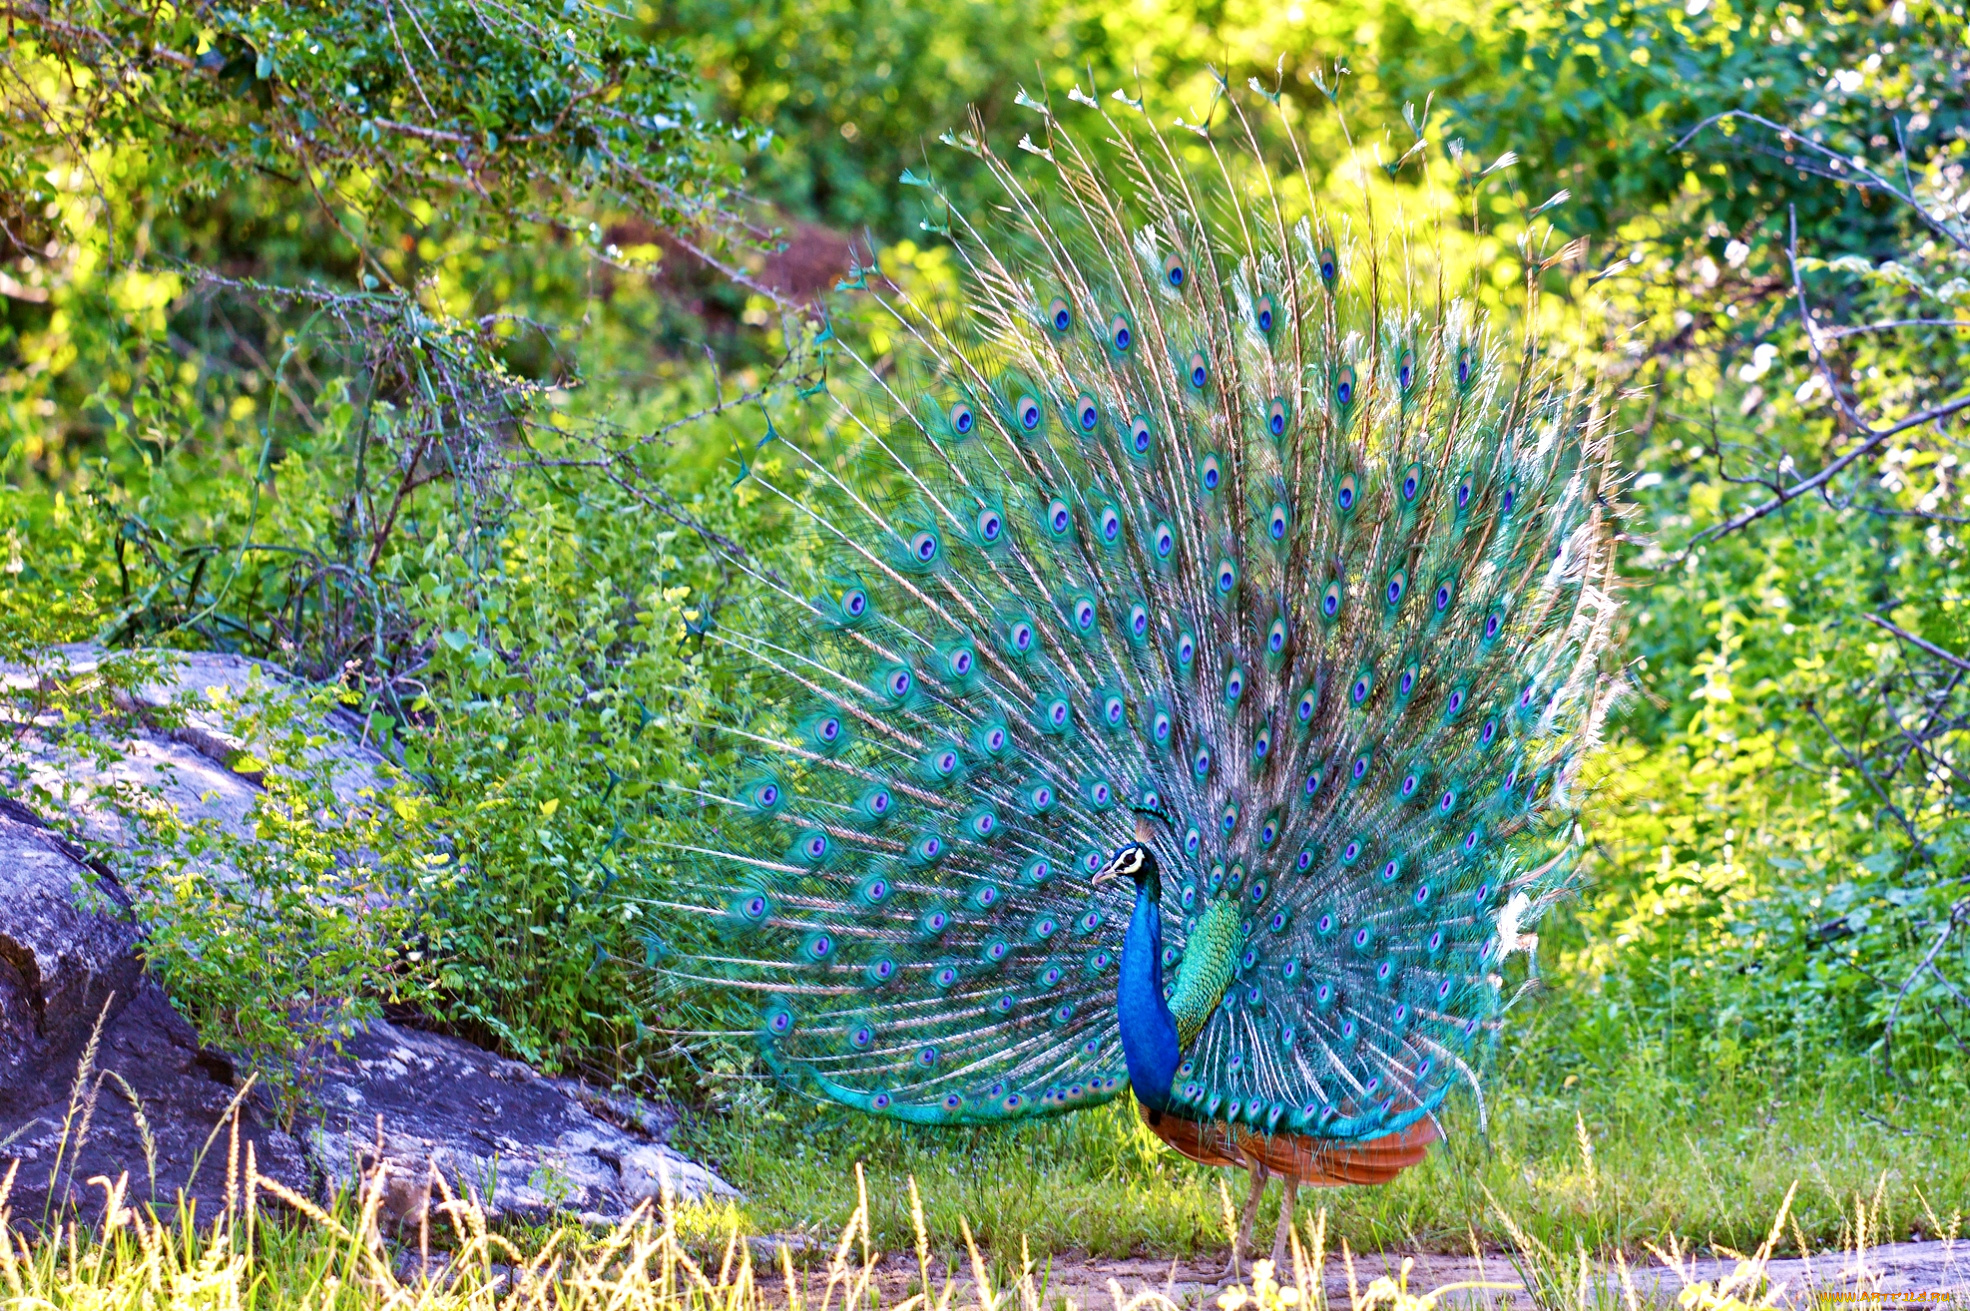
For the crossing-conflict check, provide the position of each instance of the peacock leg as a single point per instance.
(1279, 1240)
(1243, 1238)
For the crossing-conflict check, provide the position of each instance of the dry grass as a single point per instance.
(270, 1250)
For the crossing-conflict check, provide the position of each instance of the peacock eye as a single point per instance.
(1466, 366)
(1313, 782)
(1305, 708)
(1159, 727)
(990, 525)
(1059, 316)
(1398, 584)
(1344, 386)
(1028, 411)
(1267, 308)
(1330, 266)
(1442, 597)
(1330, 600)
(1186, 648)
(1088, 415)
(1111, 524)
(1510, 498)
(1234, 684)
(1405, 371)
(1227, 575)
(1276, 417)
(1275, 637)
(1112, 710)
(923, 546)
(1199, 371)
(1209, 472)
(1022, 636)
(1138, 620)
(1139, 435)
(1173, 271)
(962, 421)
(1084, 615)
(961, 661)
(1276, 522)
(1346, 492)
(1166, 541)
(1059, 519)
(1120, 335)
(1200, 764)
(854, 602)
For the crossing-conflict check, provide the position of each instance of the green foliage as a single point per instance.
(274, 941)
(517, 111)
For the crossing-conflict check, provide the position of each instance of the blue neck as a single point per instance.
(1149, 1032)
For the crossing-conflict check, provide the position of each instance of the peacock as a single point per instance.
(1208, 615)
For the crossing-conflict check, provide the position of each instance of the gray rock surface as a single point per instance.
(153, 1104)
(521, 1145)
(61, 960)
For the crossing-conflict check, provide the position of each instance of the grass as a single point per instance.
(272, 1251)
(1609, 1162)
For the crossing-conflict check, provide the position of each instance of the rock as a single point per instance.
(149, 1102)
(182, 747)
(524, 1147)
(158, 1106)
(61, 962)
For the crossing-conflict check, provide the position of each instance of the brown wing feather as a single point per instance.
(1312, 1162)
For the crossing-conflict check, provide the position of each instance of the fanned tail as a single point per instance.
(1201, 502)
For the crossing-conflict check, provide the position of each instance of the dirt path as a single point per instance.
(1924, 1276)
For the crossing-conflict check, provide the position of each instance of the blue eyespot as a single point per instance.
(1140, 436)
(1173, 271)
(962, 420)
(1198, 371)
(1059, 316)
(1087, 414)
(1028, 411)
(1119, 334)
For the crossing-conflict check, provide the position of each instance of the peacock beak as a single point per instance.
(1106, 874)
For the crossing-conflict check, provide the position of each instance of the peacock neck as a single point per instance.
(1149, 1032)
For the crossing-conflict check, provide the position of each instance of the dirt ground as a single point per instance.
(1926, 1276)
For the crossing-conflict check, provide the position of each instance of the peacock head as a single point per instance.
(1135, 861)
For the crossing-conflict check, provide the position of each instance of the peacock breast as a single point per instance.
(1210, 955)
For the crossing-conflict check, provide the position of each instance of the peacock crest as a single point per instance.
(1200, 514)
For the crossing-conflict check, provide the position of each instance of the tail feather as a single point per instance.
(1206, 500)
